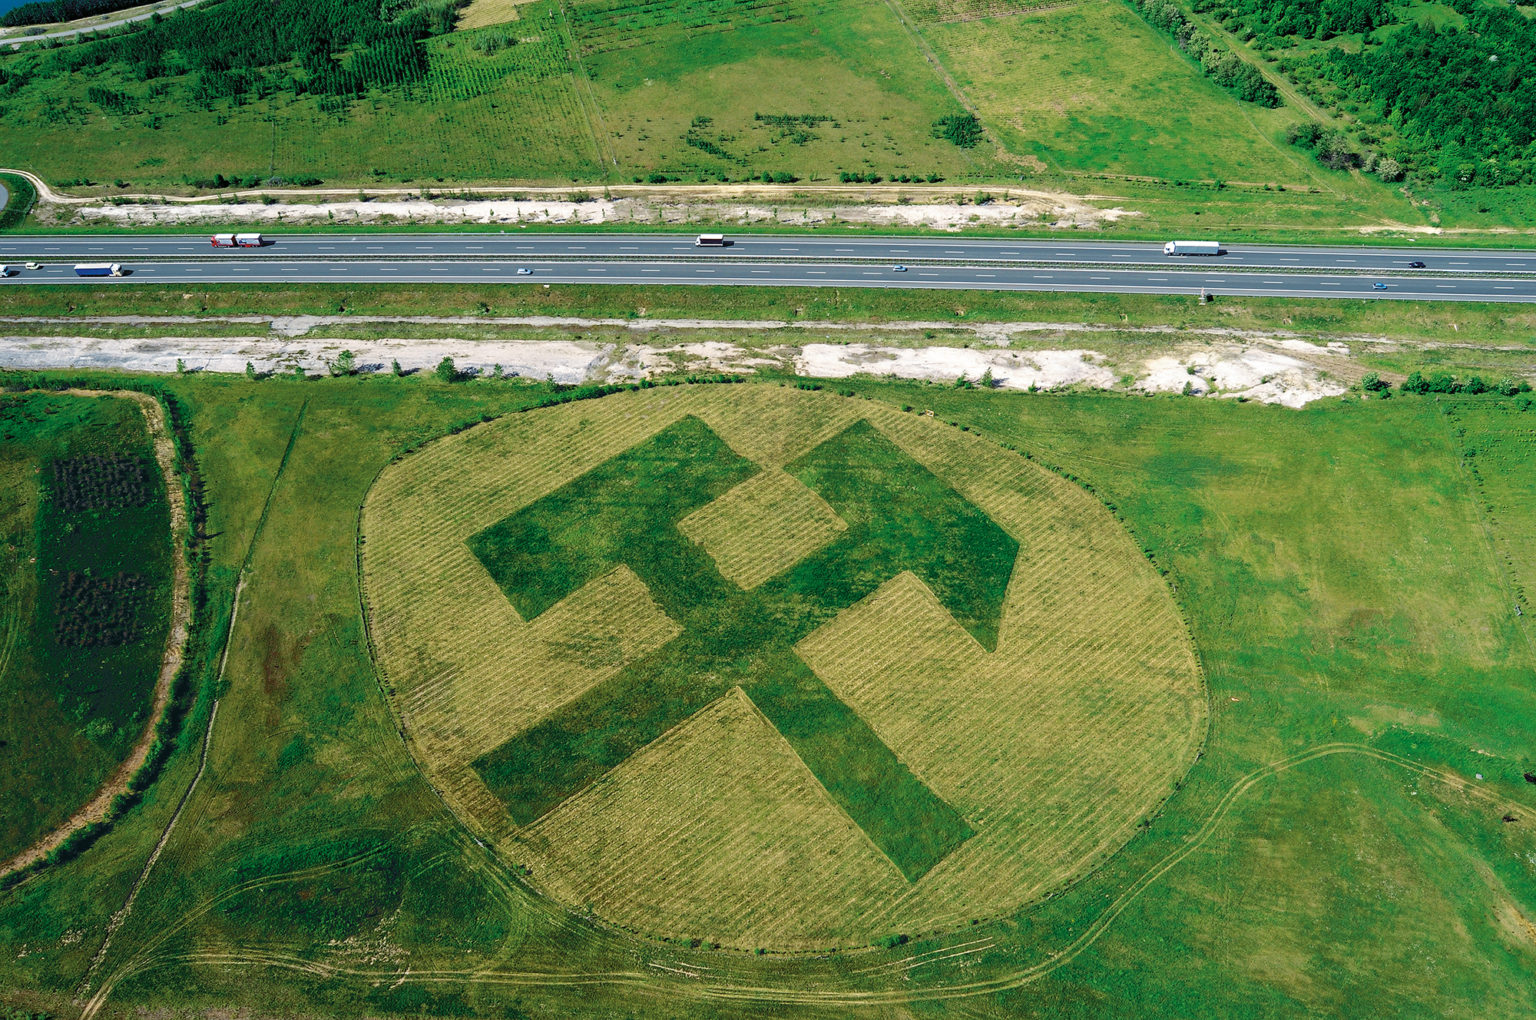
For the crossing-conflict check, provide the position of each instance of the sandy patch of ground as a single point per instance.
(1253, 369)
(1028, 209)
(1013, 370)
(1250, 371)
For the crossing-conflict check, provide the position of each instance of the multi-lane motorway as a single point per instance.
(935, 263)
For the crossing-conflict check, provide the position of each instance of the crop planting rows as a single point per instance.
(1502, 443)
(750, 848)
(941, 11)
(763, 526)
(606, 25)
(1052, 748)
(511, 110)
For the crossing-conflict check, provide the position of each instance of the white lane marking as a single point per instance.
(1328, 284)
(387, 269)
(759, 272)
(842, 250)
(900, 251)
(1290, 260)
(628, 247)
(1099, 279)
(986, 276)
(327, 248)
(1497, 287)
(1458, 263)
(1349, 261)
(240, 269)
(1008, 253)
(194, 270)
(954, 251)
(375, 247)
(338, 270)
(1162, 279)
(424, 247)
(815, 272)
(288, 270)
(1119, 256)
(650, 270)
(706, 270)
(1445, 286)
(789, 249)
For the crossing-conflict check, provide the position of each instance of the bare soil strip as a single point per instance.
(175, 644)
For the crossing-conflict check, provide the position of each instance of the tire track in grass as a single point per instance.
(121, 916)
(767, 994)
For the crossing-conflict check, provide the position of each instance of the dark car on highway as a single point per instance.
(1415, 265)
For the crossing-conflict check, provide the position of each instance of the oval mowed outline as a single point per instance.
(1051, 748)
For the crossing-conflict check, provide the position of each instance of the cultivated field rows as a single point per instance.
(1052, 748)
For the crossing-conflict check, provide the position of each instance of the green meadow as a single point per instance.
(1349, 574)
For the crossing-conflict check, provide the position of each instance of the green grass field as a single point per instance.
(86, 602)
(1343, 583)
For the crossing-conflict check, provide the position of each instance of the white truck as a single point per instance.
(98, 269)
(237, 241)
(710, 241)
(1192, 248)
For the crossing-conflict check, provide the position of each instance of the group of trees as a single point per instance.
(238, 48)
(45, 12)
(1429, 100)
(1272, 20)
(1444, 382)
(1461, 100)
(1220, 64)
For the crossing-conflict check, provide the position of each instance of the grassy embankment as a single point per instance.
(1337, 573)
(1450, 322)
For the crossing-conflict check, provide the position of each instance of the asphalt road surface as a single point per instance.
(518, 244)
(935, 263)
(1427, 287)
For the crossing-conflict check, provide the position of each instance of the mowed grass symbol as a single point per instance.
(900, 517)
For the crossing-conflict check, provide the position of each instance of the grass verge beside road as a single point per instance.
(1456, 322)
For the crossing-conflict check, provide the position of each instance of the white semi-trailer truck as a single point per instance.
(1192, 248)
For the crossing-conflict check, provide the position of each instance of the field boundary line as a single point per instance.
(178, 634)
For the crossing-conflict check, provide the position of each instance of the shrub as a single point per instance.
(962, 129)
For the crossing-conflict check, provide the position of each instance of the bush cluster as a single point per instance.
(89, 483)
(1220, 64)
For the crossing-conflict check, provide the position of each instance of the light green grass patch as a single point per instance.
(1092, 87)
(852, 70)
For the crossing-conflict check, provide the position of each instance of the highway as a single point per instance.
(933, 263)
(519, 244)
(702, 272)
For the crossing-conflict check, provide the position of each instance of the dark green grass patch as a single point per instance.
(20, 197)
(899, 517)
(87, 529)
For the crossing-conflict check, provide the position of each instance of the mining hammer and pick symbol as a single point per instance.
(899, 516)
